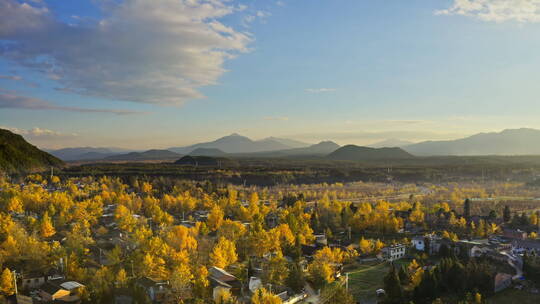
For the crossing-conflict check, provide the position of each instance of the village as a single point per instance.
(291, 251)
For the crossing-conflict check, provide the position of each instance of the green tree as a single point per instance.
(507, 214)
(392, 286)
(295, 279)
(467, 209)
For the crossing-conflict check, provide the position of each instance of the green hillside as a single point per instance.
(17, 155)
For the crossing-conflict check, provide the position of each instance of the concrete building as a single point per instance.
(394, 252)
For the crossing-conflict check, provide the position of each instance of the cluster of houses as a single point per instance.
(507, 249)
(50, 286)
(47, 287)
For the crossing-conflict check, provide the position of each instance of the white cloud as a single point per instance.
(37, 132)
(320, 90)
(11, 77)
(261, 15)
(496, 10)
(10, 100)
(147, 51)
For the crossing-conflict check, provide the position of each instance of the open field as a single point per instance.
(365, 280)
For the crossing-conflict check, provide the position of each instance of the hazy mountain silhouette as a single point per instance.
(86, 153)
(358, 153)
(321, 149)
(507, 142)
(288, 142)
(207, 152)
(146, 155)
(236, 143)
(391, 143)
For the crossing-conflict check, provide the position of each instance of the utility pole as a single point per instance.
(15, 281)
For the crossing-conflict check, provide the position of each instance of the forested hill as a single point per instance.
(357, 153)
(17, 155)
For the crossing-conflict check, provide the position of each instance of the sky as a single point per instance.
(144, 74)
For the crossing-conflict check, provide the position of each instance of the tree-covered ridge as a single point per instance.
(17, 155)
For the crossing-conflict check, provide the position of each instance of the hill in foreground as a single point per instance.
(357, 153)
(17, 155)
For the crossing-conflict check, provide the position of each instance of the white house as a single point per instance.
(418, 242)
(394, 252)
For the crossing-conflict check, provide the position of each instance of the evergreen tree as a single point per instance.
(403, 275)
(507, 215)
(295, 279)
(467, 209)
(493, 215)
(392, 286)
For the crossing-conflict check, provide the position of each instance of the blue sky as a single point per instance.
(156, 74)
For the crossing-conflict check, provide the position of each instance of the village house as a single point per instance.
(60, 290)
(220, 280)
(476, 248)
(394, 252)
(34, 280)
(418, 243)
(156, 290)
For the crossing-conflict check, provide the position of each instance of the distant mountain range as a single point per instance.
(236, 143)
(391, 143)
(146, 155)
(207, 152)
(358, 153)
(507, 142)
(17, 155)
(86, 153)
(321, 149)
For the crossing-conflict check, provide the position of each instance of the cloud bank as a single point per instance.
(8, 100)
(159, 52)
(496, 10)
(37, 132)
